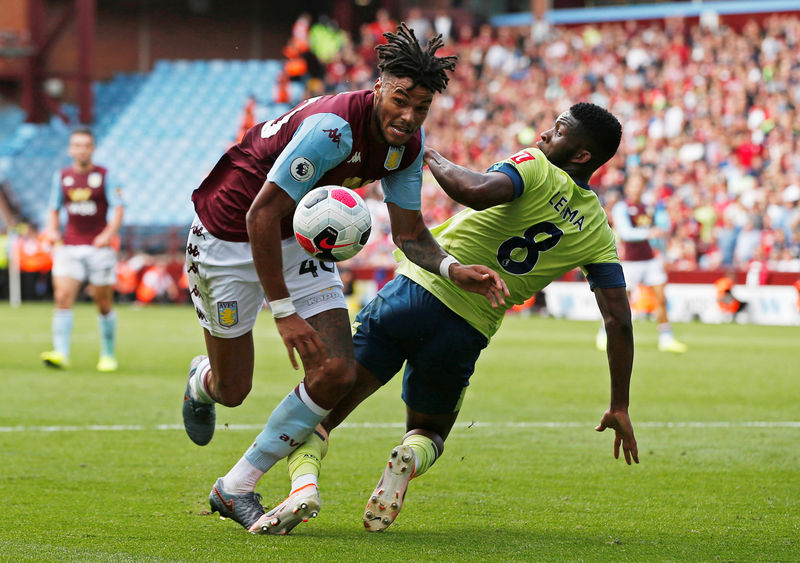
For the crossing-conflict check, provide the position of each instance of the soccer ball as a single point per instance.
(332, 223)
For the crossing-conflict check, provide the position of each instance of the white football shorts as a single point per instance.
(227, 293)
(645, 272)
(84, 262)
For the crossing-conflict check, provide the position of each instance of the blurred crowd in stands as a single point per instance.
(710, 117)
(710, 120)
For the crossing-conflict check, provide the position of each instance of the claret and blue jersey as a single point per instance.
(87, 196)
(552, 226)
(322, 141)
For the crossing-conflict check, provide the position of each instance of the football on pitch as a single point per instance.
(332, 223)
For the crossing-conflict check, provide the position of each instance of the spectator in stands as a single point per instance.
(248, 116)
(383, 24)
(127, 281)
(417, 21)
(326, 39)
(156, 284)
(87, 250)
(730, 306)
(33, 253)
(443, 25)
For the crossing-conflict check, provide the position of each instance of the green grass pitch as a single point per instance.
(96, 467)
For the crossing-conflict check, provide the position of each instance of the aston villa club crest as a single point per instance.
(227, 313)
(393, 158)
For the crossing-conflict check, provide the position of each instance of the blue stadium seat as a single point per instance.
(160, 133)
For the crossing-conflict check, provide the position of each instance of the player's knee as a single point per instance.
(340, 376)
(62, 300)
(232, 394)
(232, 397)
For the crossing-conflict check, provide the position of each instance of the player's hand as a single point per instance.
(481, 280)
(298, 335)
(428, 154)
(51, 237)
(621, 423)
(102, 240)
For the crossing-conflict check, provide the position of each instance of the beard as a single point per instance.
(377, 119)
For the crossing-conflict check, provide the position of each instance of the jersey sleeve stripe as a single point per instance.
(511, 172)
(605, 276)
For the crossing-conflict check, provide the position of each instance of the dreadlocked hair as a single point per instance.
(403, 57)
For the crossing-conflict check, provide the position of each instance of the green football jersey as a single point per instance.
(554, 226)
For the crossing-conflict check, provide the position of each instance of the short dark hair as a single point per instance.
(82, 130)
(403, 57)
(603, 131)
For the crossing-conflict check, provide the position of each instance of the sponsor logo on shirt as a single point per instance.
(355, 158)
(83, 208)
(79, 194)
(301, 169)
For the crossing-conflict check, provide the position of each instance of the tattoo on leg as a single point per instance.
(334, 329)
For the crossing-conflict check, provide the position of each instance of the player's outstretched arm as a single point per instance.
(412, 236)
(616, 311)
(472, 189)
(264, 230)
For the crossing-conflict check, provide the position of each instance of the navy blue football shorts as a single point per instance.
(406, 323)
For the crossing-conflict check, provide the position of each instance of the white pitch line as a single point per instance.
(379, 425)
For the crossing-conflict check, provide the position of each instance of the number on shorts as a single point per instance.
(310, 267)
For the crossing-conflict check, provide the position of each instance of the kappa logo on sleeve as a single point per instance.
(334, 135)
(302, 169)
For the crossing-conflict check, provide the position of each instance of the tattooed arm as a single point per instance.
(415, 240)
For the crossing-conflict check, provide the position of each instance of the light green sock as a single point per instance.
(424, 450)
(305, 463)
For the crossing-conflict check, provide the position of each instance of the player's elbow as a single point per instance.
(477, 203)
(487, 192)
(400, 240)
(255, 217)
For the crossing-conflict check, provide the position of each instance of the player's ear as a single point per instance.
(376, 88)
(581, 156)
